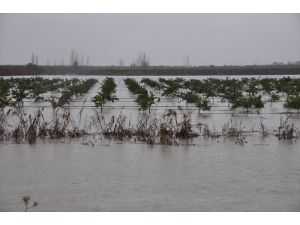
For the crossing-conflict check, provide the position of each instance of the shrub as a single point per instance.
(293, 101)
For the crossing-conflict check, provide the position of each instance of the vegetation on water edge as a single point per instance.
(152, 129)
(17, 125)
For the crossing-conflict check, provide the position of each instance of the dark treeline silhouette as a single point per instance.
(30, 69)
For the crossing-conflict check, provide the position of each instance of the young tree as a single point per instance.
(133, 86)
(145, 100)
(293, 101)
(202, 104)
(4, 92)
(247, 102)
(107, 93)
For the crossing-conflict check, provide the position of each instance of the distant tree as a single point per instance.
(87, 60)
(121, 63)
(132, 64)
(142, 60)
(186, 61)
(74, 59)
(34, 60)
(81, 59)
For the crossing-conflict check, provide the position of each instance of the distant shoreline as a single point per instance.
(23, 70)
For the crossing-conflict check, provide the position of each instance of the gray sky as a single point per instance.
(166, 38)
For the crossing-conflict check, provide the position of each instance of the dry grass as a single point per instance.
(287, 129)
(167, 129)
(30, 127)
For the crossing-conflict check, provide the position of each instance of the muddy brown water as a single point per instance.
(261, 175)
(96, 174)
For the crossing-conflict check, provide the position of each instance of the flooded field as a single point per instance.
(94, 173)
(262, 175)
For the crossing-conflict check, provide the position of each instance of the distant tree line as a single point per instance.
(34, 69)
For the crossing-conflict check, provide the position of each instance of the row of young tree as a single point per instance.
(243, 93)
(13, 91)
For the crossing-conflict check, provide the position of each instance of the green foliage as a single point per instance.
(107, 93)
(99, 100)
(145, 100)
(134, 87)
(274, 97)
(171, 87)
(73, 87)
(152, 84)
(247, 102)
(19, 94)
(14, 90)
(293, 101)
(189, 97)
(5, 86)
(245, 92)
(201, 104)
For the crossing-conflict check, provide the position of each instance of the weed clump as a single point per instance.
(233, 131)
(26, 201)
(286, 129)
(116, 128)
(184, 128)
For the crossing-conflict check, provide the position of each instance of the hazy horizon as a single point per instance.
(167, 39)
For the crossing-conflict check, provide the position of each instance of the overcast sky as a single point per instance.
(166, 38)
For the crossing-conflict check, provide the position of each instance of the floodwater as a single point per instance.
(96, 174)
(262, 175)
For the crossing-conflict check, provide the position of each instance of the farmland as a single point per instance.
(166, 109)
(121, 142)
